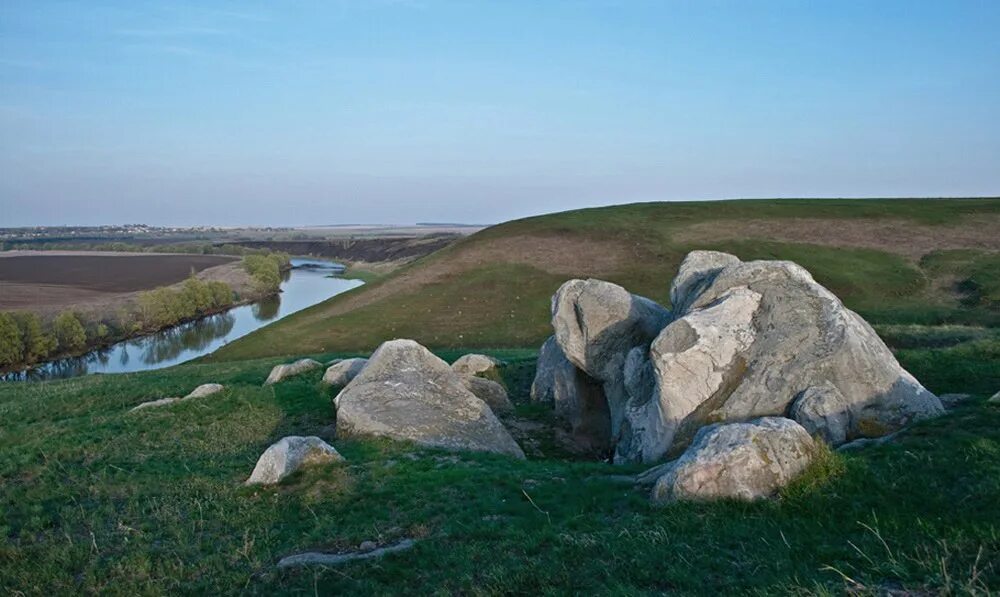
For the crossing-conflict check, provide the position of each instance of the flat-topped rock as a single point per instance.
(282, 372)
(407, 393)
(288, 455)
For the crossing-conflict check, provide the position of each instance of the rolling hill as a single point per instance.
(896, 261)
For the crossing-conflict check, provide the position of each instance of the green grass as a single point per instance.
(98, 500)
(500, 301)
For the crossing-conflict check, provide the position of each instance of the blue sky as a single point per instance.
(396, 111)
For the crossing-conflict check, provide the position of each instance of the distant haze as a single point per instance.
(400, 111)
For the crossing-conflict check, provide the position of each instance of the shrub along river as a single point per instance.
(307, 283)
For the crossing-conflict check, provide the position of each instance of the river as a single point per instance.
(309, 282)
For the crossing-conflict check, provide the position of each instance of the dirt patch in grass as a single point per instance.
(902, 237)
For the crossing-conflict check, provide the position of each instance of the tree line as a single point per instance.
(26, 338)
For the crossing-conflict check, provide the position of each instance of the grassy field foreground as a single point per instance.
(98, 500)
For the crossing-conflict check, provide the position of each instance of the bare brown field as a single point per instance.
(48, 280)
(899, 236)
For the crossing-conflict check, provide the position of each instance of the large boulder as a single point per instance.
(577, 398)
(597, 324)
(476, 364)
(407, 393)
(287, 455)
(282, 372)
(748, 340)
(343, 371)
(745, 461)
(490, 392)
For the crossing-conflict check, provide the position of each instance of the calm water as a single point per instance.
(305, 285)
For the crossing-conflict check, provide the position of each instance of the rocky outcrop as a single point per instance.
(745, 461)
(597, 324)
(994, 399)
(343, 371)
(200, 392)
(288, 455)
(407, 393)
(476, 364)
(745, 340)
(490, 392)
(282, 372)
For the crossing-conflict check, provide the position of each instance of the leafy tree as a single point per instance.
(222, 294)
(69, 331)
(197, 295)
(265, 271)
(38, 343)
(11, 347)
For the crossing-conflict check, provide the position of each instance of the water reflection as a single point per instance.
(307, 284)
(267, 309)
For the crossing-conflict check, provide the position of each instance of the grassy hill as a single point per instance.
(919, 261)
(97, 500)
(94, 499)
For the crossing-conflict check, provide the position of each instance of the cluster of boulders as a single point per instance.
(401, 392)
(406, 392)
(755, 363)
(758, 352)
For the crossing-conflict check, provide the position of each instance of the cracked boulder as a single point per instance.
(407, 393)
(743, 461)
(751, 339)
(597, 324)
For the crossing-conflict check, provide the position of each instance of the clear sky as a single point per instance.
(396, 111)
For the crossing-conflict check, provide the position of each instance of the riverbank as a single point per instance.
(302, 287)
(63, 304)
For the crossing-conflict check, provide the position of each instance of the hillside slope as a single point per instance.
(926, 261)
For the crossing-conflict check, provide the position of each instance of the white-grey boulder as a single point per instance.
(577, 398)
(407, 393)
(490, 392)
(201, 391)
(343, 371)
(744, 461)
(747, 340)
(287, 455)
(282, 372)
(597, 324)
(824, 412)
(476, 364)
(994, 399)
